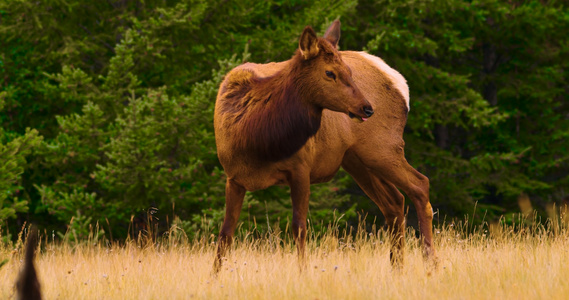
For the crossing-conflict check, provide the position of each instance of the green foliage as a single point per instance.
(3, 262)
(106, 107)
(487, 81)
(13, 152)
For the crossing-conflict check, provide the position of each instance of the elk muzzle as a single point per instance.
(363, 114)
(368, 111)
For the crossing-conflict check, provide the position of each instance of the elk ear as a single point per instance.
(308, 43)
(333, 33)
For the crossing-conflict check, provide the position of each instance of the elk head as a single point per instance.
(328, 79)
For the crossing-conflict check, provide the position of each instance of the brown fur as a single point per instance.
(256, 106)
(282, 123)
(28, 286)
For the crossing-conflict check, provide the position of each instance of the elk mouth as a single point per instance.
(354, 116)
(366, 112)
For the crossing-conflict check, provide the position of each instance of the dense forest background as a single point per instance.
(106, 106)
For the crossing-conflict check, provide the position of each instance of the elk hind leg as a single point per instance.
(416, 186)
(389, 200)
(393, 210)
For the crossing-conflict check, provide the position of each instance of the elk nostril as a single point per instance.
(368, 111)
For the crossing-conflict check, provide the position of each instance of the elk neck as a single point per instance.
(276, 118)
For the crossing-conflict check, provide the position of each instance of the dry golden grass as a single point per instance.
(529, 263)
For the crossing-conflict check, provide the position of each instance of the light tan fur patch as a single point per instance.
(398, 80)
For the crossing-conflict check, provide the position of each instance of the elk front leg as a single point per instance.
(300, 194)
(234, 195)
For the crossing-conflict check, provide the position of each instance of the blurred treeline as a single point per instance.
(106, 106)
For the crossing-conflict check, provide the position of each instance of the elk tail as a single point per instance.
(28, 286)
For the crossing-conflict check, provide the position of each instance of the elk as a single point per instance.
(297, 122)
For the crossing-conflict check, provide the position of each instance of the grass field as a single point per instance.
(528, 262)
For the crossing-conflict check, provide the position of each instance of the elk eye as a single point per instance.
(331, 75)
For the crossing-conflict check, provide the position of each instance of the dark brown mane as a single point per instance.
(269, 115)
